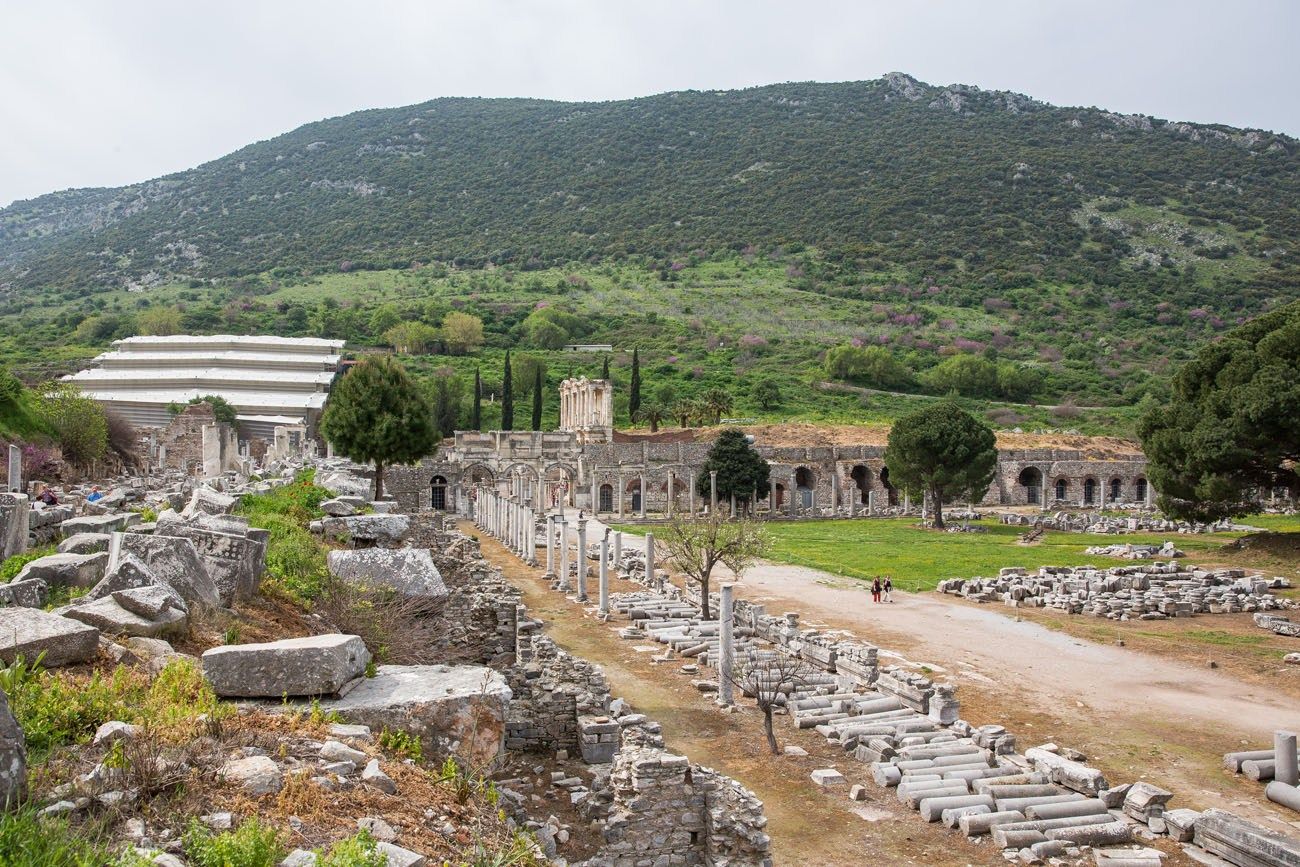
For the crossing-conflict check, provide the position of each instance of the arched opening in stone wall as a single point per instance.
(861, 476)
(558, 488)
(438, 499)
(1141, 489)
(1089, 491)
(1032, 480)
(1116, 487)
(803, 485)
(1062, 488)
(634, 488)
(889, 489)
(778, 495)
(605, 498)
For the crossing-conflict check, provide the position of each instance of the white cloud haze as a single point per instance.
(96, 93)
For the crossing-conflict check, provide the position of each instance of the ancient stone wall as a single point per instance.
(552, 689)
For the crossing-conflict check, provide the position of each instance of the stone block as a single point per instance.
(13, 757)
(85, 543)
(99, 524)
(13, 524)
(1241, 842)
(365, 531)
(111, 617)
(28, 633)
(459, 709)
(67, 570)
(828, 778)
(256, 775)
(410, 571)
(28, 593)
(173, 560)
(206, 501)
(235, 560)
(316, 665)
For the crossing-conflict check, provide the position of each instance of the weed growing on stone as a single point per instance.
(252, 844)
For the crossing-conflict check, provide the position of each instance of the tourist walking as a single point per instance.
(889, 589)
(875, 589)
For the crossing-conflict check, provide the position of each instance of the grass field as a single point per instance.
(918, 559)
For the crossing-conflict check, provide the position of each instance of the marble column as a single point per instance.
(621, 486)
(15, 470)
(618, 548)
(582, 561)
(690, 496)
(733, 505)
(793, 494)
(564, 554)
(645, 496)
(726, 645)
(713, 493)
(550, 548)
(672, 491)
(604, 573)
(650, 558)
(835, 494)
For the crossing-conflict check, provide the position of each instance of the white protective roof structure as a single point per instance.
(282, 378)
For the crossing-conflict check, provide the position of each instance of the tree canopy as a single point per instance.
(1232, 425)
(943, 451)
(742, 471)
(377, 413)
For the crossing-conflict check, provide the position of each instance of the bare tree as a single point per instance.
(697, 545)
(769, 677)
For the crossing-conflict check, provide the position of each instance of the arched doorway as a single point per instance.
(779, 495)
(1032, 480)
(1089, 491)
(606, 498)
(558, 488)
(861, 476)
(803, 485)
(1141, 489)
(1115, 488)
(438, 499)
(634, 488)
(1062, 488)
(890, 490)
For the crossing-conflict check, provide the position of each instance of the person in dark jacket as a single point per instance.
(875, 589)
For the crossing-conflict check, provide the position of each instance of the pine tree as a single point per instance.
(604, 369)
(507, 399)
(537, 398)
(742, 471)
(943, 451)
(377, 413)
(476, 422)
(634, 392)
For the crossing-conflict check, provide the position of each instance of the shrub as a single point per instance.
(359, 850)
(26, 838)
(10, 568)
(871, 365)
(252, 844)
(78, 423)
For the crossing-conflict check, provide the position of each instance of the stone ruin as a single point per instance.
(1154, 591)
(1037, 805)
(1098, 523)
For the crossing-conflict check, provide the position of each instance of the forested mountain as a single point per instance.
(991, 190)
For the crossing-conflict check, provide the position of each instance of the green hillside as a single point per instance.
(931, 239)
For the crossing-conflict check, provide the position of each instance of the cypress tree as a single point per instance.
(537, 397)
(604, 369)
(476, 422)
(634, 393)
(507, 399)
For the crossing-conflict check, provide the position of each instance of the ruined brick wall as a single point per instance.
(552, 688)
(182, 439)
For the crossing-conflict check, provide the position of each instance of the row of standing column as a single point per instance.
(513, 523)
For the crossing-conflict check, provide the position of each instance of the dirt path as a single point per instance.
(1136, 715)
(808, 826)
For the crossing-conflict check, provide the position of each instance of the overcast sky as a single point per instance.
(99, 93)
